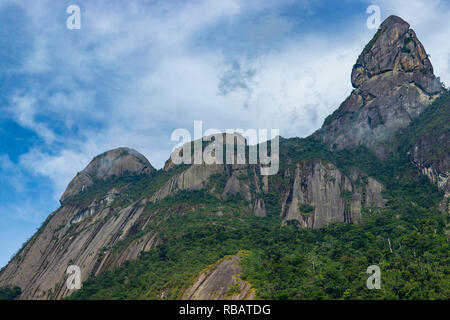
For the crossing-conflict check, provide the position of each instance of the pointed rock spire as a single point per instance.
(394, 47)
(394, 83)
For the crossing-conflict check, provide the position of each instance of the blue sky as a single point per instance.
(137, 70)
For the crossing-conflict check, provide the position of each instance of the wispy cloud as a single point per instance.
(23, 110)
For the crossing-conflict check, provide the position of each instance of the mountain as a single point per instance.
(369, 187)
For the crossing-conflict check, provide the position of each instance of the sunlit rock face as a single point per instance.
(430, 154)
(215, 282)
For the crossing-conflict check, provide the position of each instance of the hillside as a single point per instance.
(408, 238)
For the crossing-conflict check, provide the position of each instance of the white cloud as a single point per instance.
(11, 173)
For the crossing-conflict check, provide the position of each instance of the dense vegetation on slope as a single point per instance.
(9, 293)
(408, 239)
(288, 263)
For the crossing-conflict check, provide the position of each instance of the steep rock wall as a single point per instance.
(320, 194)
(221, 282)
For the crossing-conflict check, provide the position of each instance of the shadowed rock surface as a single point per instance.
(430, 148)
(329, 195)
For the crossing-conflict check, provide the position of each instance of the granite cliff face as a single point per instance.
(394, 83)
(429, 149)
(437, 171)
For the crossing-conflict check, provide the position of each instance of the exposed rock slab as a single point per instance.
(436, 168)
(221, 282)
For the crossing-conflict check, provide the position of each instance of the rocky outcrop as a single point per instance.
(259, 207)
(239, 180)
(113, 163)
(221, 281)
(196, 152)
(239, 177)
(320, 194)
(197, 175)
(394, 83)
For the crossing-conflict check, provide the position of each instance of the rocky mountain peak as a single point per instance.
(394, 47)
(394, 83)
(233, 138)
(116, 162)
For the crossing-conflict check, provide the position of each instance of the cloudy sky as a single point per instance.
(137, 70)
